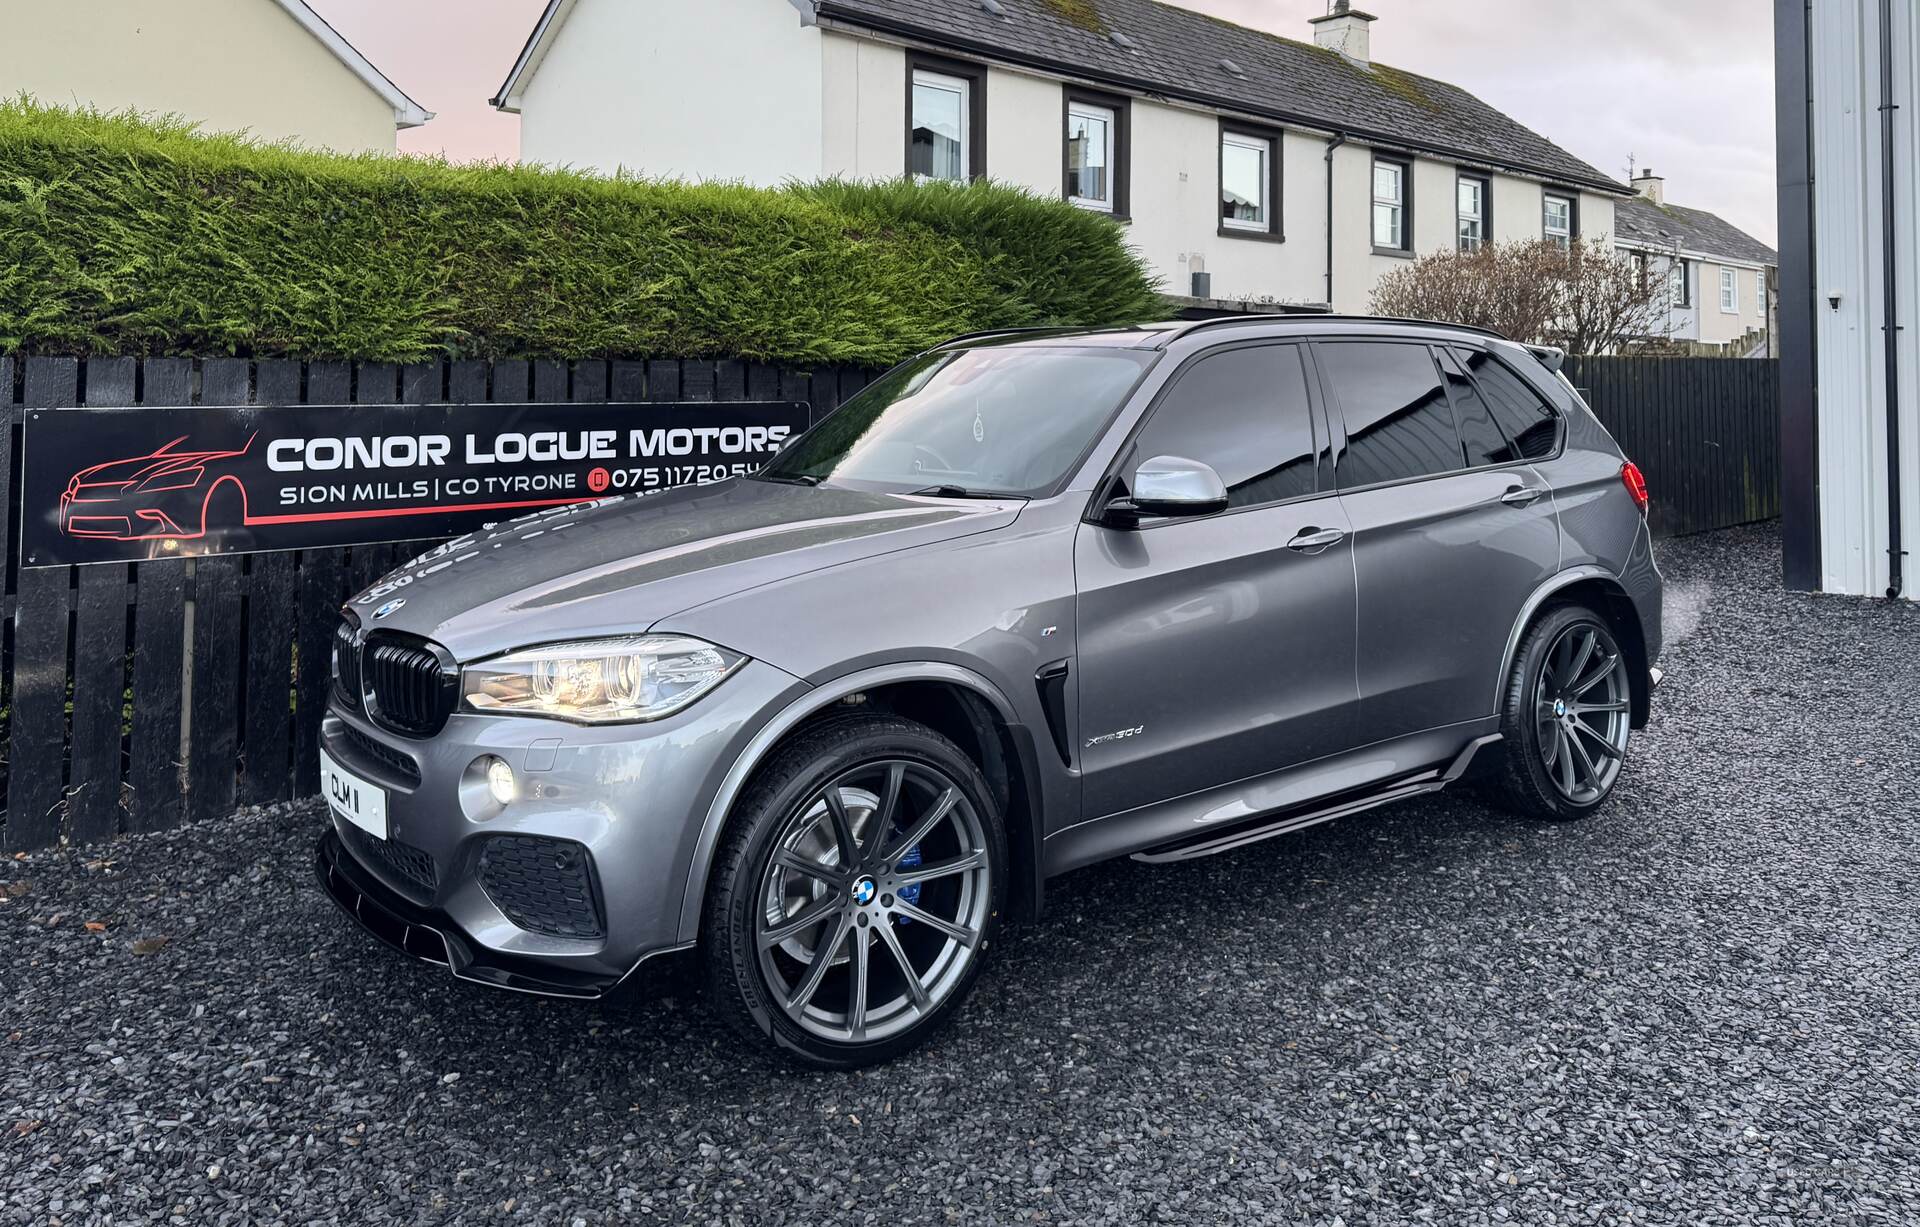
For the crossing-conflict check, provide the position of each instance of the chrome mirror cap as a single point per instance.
(1176, 486)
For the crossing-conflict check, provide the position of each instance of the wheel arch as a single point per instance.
(1600, 590)
(957, 703)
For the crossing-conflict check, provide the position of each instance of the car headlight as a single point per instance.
(598, 681)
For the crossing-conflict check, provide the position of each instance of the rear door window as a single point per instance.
(1245, 412)
(1485, 442)
(1399, 424)
(1529, 423)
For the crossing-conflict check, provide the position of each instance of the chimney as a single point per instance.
(1345, 30)
(1650, 185)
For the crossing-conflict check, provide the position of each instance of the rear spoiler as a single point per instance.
(1550, 356)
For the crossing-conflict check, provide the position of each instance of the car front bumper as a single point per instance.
(629, 800)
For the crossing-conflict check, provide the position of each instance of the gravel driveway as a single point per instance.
(1701, 1007)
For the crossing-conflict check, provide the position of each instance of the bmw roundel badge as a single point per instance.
(389, 607)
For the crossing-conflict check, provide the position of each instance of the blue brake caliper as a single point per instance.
(910, 859)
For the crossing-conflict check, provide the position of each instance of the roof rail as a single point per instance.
(1188, 329)
(984, 333)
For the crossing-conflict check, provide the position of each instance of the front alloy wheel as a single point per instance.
(857, 891)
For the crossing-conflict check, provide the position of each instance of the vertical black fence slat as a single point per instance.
(698, 380)
(99, 658)
(589, 381)
(154, 783)
(627, 381)
(729, 381)
(467, 381)
(663, 379)
(322, 582)
(823, 392)
(266, 770)
(37, 735)
(549, 381)
(12, 528)
(213, 741)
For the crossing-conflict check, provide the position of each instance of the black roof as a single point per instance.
(1641, 222)
(1156, 48)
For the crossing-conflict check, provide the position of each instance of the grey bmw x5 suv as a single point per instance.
(1029, 601)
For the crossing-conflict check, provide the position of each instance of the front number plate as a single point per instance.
(361, 803)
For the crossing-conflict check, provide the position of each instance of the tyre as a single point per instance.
(858, 885)
(1566, 715)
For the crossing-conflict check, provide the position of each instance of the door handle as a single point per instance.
(1312, 541)
(1522, 496)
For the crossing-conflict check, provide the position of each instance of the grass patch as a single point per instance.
(125, 234)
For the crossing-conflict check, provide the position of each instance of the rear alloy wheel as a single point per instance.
(856, 893)
(1567, 718)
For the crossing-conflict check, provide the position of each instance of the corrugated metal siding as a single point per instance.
(1845, 66)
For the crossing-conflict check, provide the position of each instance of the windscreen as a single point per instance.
(987, 421)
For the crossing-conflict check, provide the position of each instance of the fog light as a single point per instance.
(500, 782)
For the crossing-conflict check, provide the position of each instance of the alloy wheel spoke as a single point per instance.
(1586, 761)
(889, 802)
(960, 933)
(1600, 673)
(933, 818)
(1606, 747)
(832, 875)
(1583, 709)
(1563, 760)
(857, 993)
(916, 990)
(1579, 663)
(802, 920)
(938, 869)
(818, 965)
(842, 826)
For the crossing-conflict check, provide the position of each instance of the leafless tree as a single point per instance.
(1585, 297)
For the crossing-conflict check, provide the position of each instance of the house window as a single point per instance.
(1729, 292)
(1475, 196)
(1096, 152)
(946, 120)
(1249, 183)
(1682, 273)
(1557, 220)
(1760, 290)
(1391, 209)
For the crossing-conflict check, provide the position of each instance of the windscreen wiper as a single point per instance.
(952, 491)
(793, 479)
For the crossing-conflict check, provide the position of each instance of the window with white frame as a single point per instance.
(1473, 213)
(1246, 173)
(1390, 229)
(1091, 155)
(1556, 220)
(1681, 271)
(1729, 292)
(1760, 291)
(940, 128)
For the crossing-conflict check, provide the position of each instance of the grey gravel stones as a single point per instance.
(1700, 1007)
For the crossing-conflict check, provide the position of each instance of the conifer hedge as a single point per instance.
(128, 235)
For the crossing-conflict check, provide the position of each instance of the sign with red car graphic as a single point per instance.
(124, 485)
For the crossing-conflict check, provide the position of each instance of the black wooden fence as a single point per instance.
(1705, 431)
(137, 696)
(134, 697)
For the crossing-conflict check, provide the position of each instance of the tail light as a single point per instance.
(1636, 483)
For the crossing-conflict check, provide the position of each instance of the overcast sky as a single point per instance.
(1683, 86)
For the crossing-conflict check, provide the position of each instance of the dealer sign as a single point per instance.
(123, 485)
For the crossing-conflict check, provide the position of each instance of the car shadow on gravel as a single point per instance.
(1700, 1006)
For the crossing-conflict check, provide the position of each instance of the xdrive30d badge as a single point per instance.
(1030, 601)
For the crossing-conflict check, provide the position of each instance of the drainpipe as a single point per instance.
(1338, 140)
(1889, 238)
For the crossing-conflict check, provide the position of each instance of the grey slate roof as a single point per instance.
(1641, 222)
(1177, 53)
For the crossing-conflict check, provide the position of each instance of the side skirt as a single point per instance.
(1286, 823)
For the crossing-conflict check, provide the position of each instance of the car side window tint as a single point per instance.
(1528, 421)
(1485, 442)
(1399, 424)
(1246, 413)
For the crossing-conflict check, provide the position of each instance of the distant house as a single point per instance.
(1247, 166)
(272, 67)
(1721, 279)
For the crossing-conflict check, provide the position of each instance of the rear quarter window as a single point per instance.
(1529, 422)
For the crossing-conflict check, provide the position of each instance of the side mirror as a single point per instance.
(1171, 486)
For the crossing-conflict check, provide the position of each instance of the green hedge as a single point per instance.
(125, 235)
